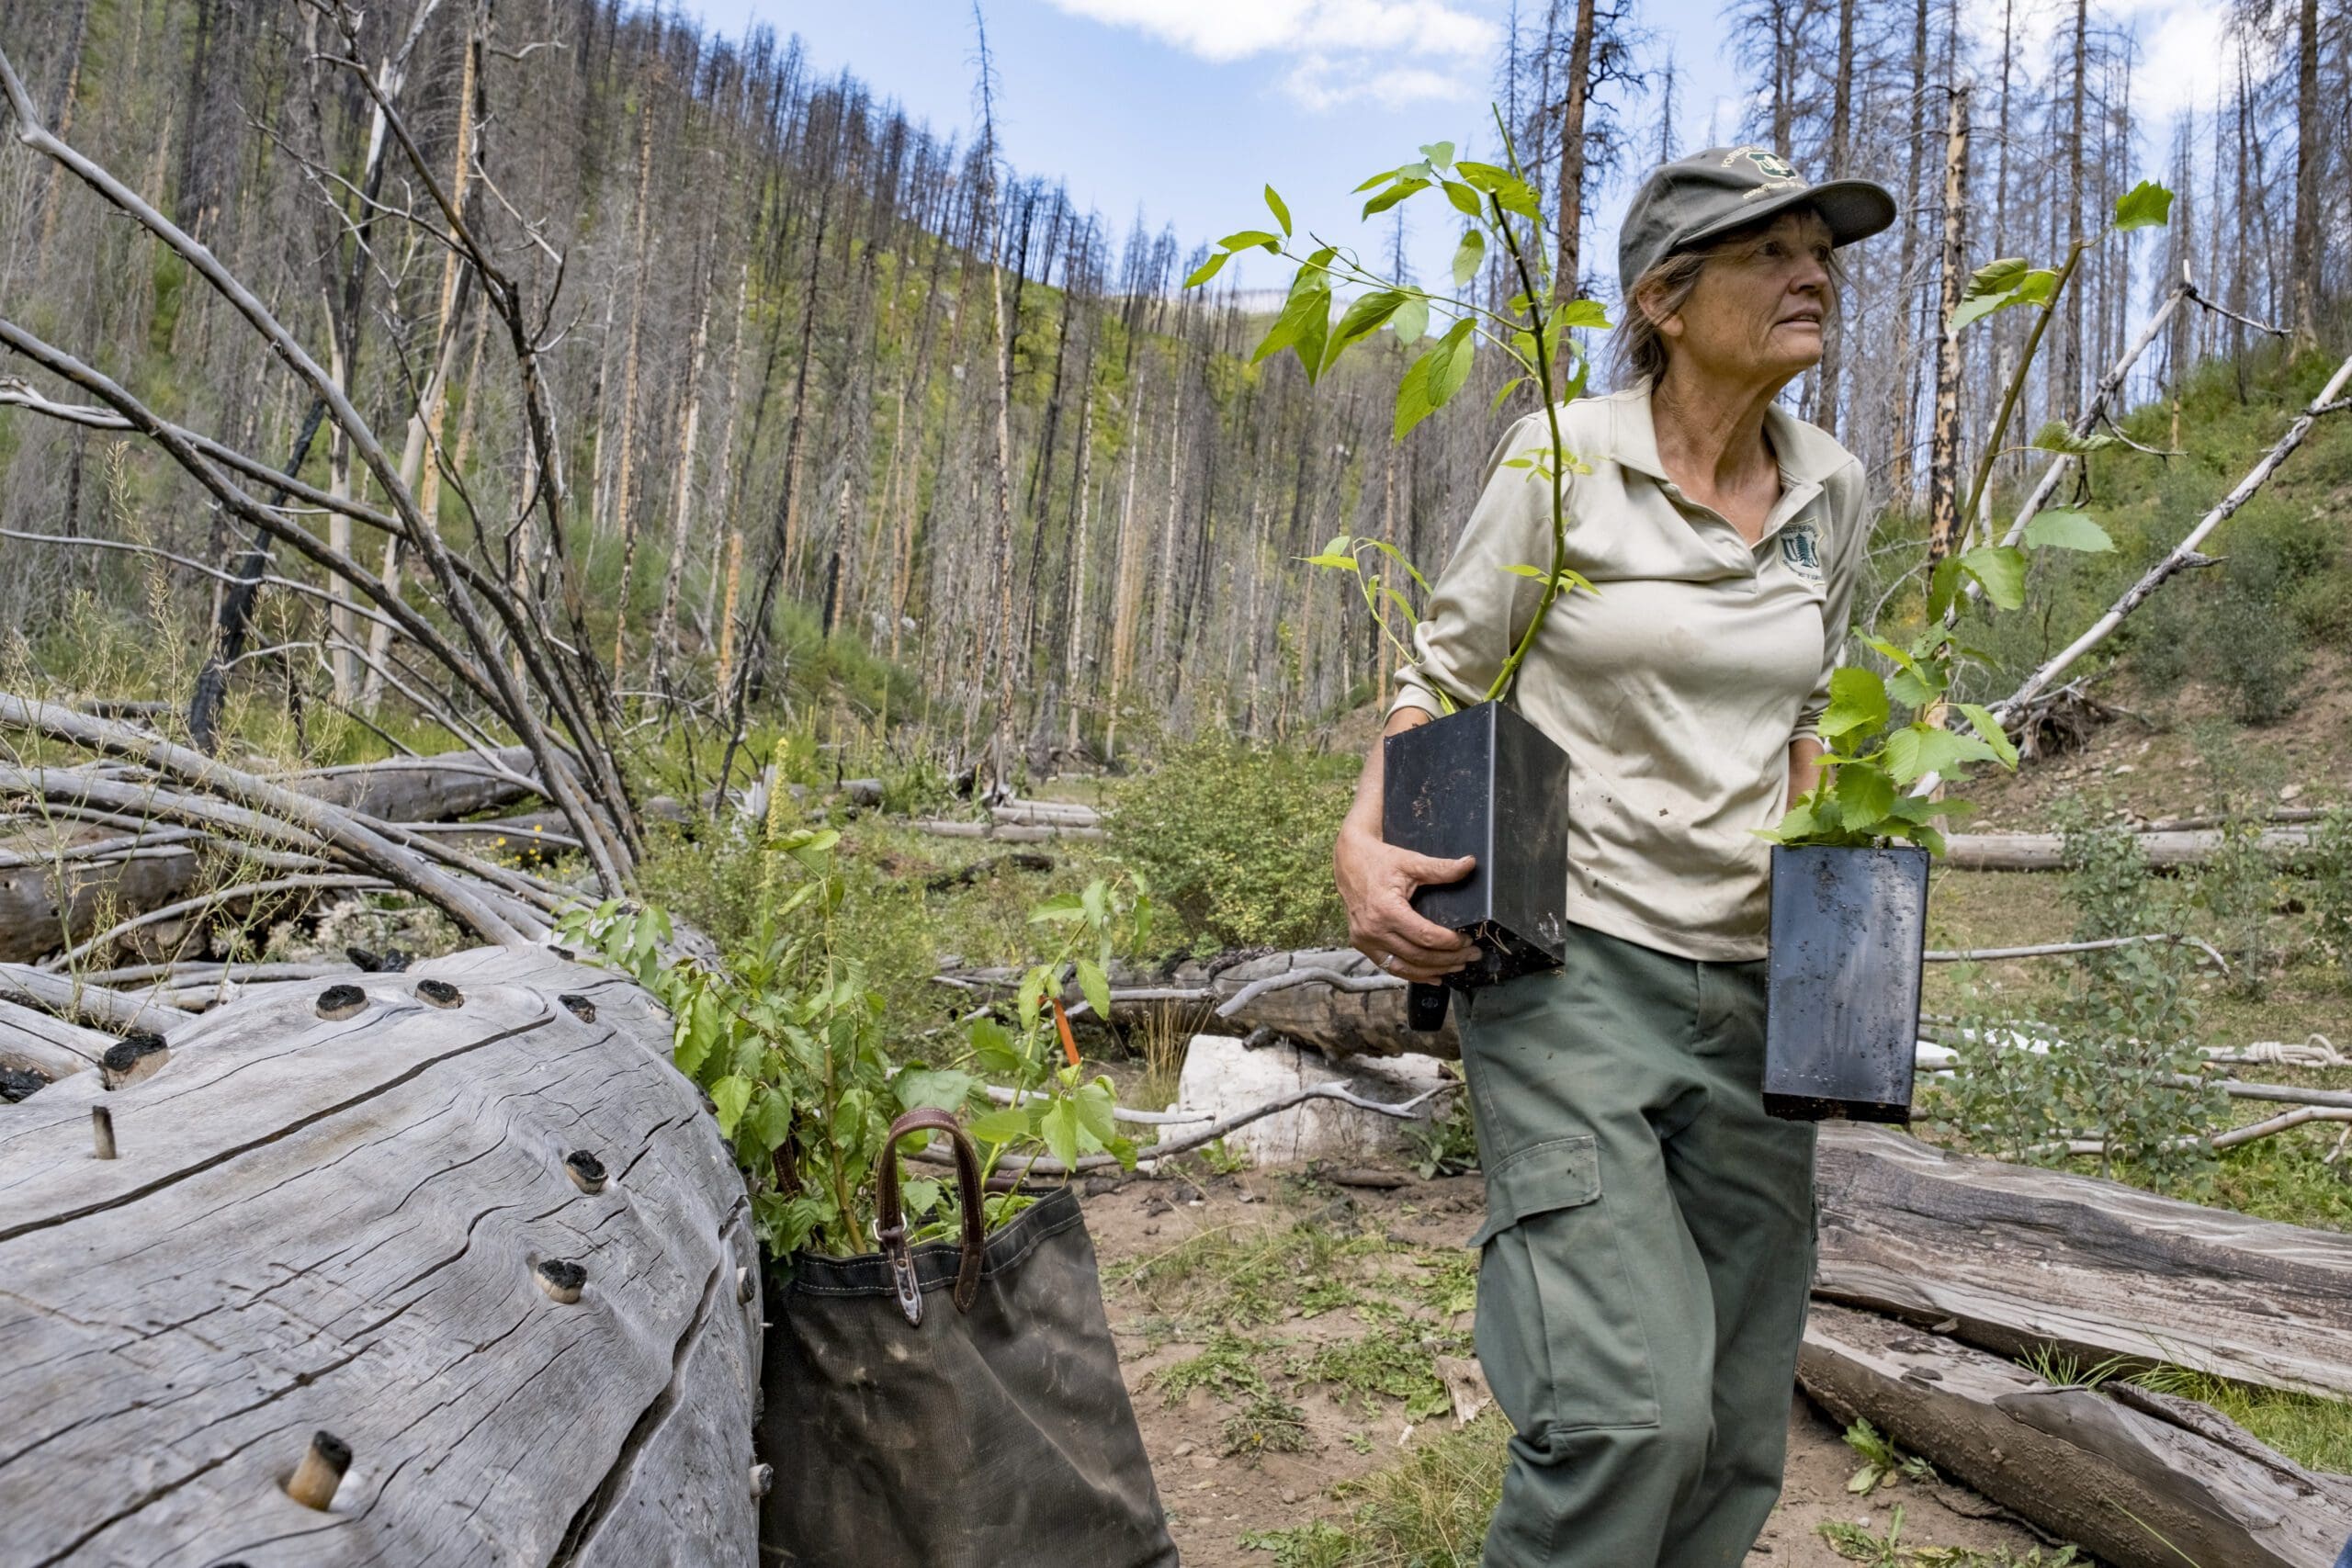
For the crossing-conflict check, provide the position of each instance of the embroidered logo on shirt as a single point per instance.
(1800, 550)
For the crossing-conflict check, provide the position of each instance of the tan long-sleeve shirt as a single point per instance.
(1676, 690)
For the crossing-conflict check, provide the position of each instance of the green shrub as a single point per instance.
(2239, 883)
(2121, 1071)
(1236, 840)
(2254, 653)
(2331, 873)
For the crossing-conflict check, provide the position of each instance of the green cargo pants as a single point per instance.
(1645, 1259)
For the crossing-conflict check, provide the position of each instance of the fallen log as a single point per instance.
(117, 1012)
(2016, 1258)
(2044, 852)
(363, 1227)
(1289, 993)
(1006, 832)
(62, 878)
(2139, 1478)
(422, 789)
(35, 1042)
(1048, 812)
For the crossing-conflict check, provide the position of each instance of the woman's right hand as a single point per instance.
(1376, 882)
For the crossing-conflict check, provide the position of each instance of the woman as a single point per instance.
(1648, 1244)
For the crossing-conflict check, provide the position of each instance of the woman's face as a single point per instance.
(1757, 309)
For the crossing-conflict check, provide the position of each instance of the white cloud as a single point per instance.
(1224, 30)
(1389, 52)
(1319, 82)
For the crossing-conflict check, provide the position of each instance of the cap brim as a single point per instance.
(1854, 209)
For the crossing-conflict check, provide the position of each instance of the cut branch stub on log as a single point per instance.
(2139, 1480)
(366, 1197)
(2020, 1256)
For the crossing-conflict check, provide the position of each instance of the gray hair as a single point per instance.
(1638, 348)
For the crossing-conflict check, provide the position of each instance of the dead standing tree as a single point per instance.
(553, 697)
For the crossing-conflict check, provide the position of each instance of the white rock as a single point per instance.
(1221, 1078)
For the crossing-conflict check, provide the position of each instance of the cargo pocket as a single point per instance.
(1560, 1332)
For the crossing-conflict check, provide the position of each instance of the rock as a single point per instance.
(1222, 1077)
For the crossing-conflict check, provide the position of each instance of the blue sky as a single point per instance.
(1183, 108)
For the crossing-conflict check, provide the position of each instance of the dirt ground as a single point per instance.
(1189, 1267)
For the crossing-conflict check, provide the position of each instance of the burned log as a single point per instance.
(2017, 1256)
(2140, 1479)
(337, 1226)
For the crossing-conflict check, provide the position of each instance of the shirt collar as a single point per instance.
(1806, 456)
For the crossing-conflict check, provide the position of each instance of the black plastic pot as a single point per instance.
(1842, 1007)
(1484, 782)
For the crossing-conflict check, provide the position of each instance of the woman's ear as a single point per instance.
(1649, 304)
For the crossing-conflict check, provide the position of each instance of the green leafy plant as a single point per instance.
(1884, 735)
(785, 1038)
(2120, 1075)
(2331, 872)
(1236, 841)
(1503, 212)
(1882, 1463)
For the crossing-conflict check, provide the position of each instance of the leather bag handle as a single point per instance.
(893, 1233)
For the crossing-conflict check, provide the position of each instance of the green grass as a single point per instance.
(1239, 1275)
(1269, 1424)
(1397, 1360)
(1430, 1511)
(1227, 1367)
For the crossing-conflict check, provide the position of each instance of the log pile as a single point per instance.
(1963, 1264)
(339, 1297)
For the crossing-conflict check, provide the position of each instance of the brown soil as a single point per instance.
(1212, 1498)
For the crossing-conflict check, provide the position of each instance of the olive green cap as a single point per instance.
(1695, 199)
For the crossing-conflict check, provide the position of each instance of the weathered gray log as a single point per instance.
(1337, 1022)
(2139, 1478)
(2022, 1257)
(2044, 852)
(336, 1225)
(1047, 814)
(421, 789)
(1006, 832)
(67, 997)
(33, 878)
(34, 1042)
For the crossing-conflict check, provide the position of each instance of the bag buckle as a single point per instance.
(903, 1281)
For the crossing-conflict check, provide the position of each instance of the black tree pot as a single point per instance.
(1484, 782)
(1841, 1026)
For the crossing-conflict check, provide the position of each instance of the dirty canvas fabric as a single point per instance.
(998, 1437)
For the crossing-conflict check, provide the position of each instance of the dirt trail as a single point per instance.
(1373, 1287)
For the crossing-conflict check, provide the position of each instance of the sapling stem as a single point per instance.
(2017, 380)
(1506, 677)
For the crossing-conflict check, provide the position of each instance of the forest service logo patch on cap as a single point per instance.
(1770, 162)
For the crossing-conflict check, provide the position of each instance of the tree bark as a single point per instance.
(1943, 481)
(2142, 1479)
(613, 1432)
